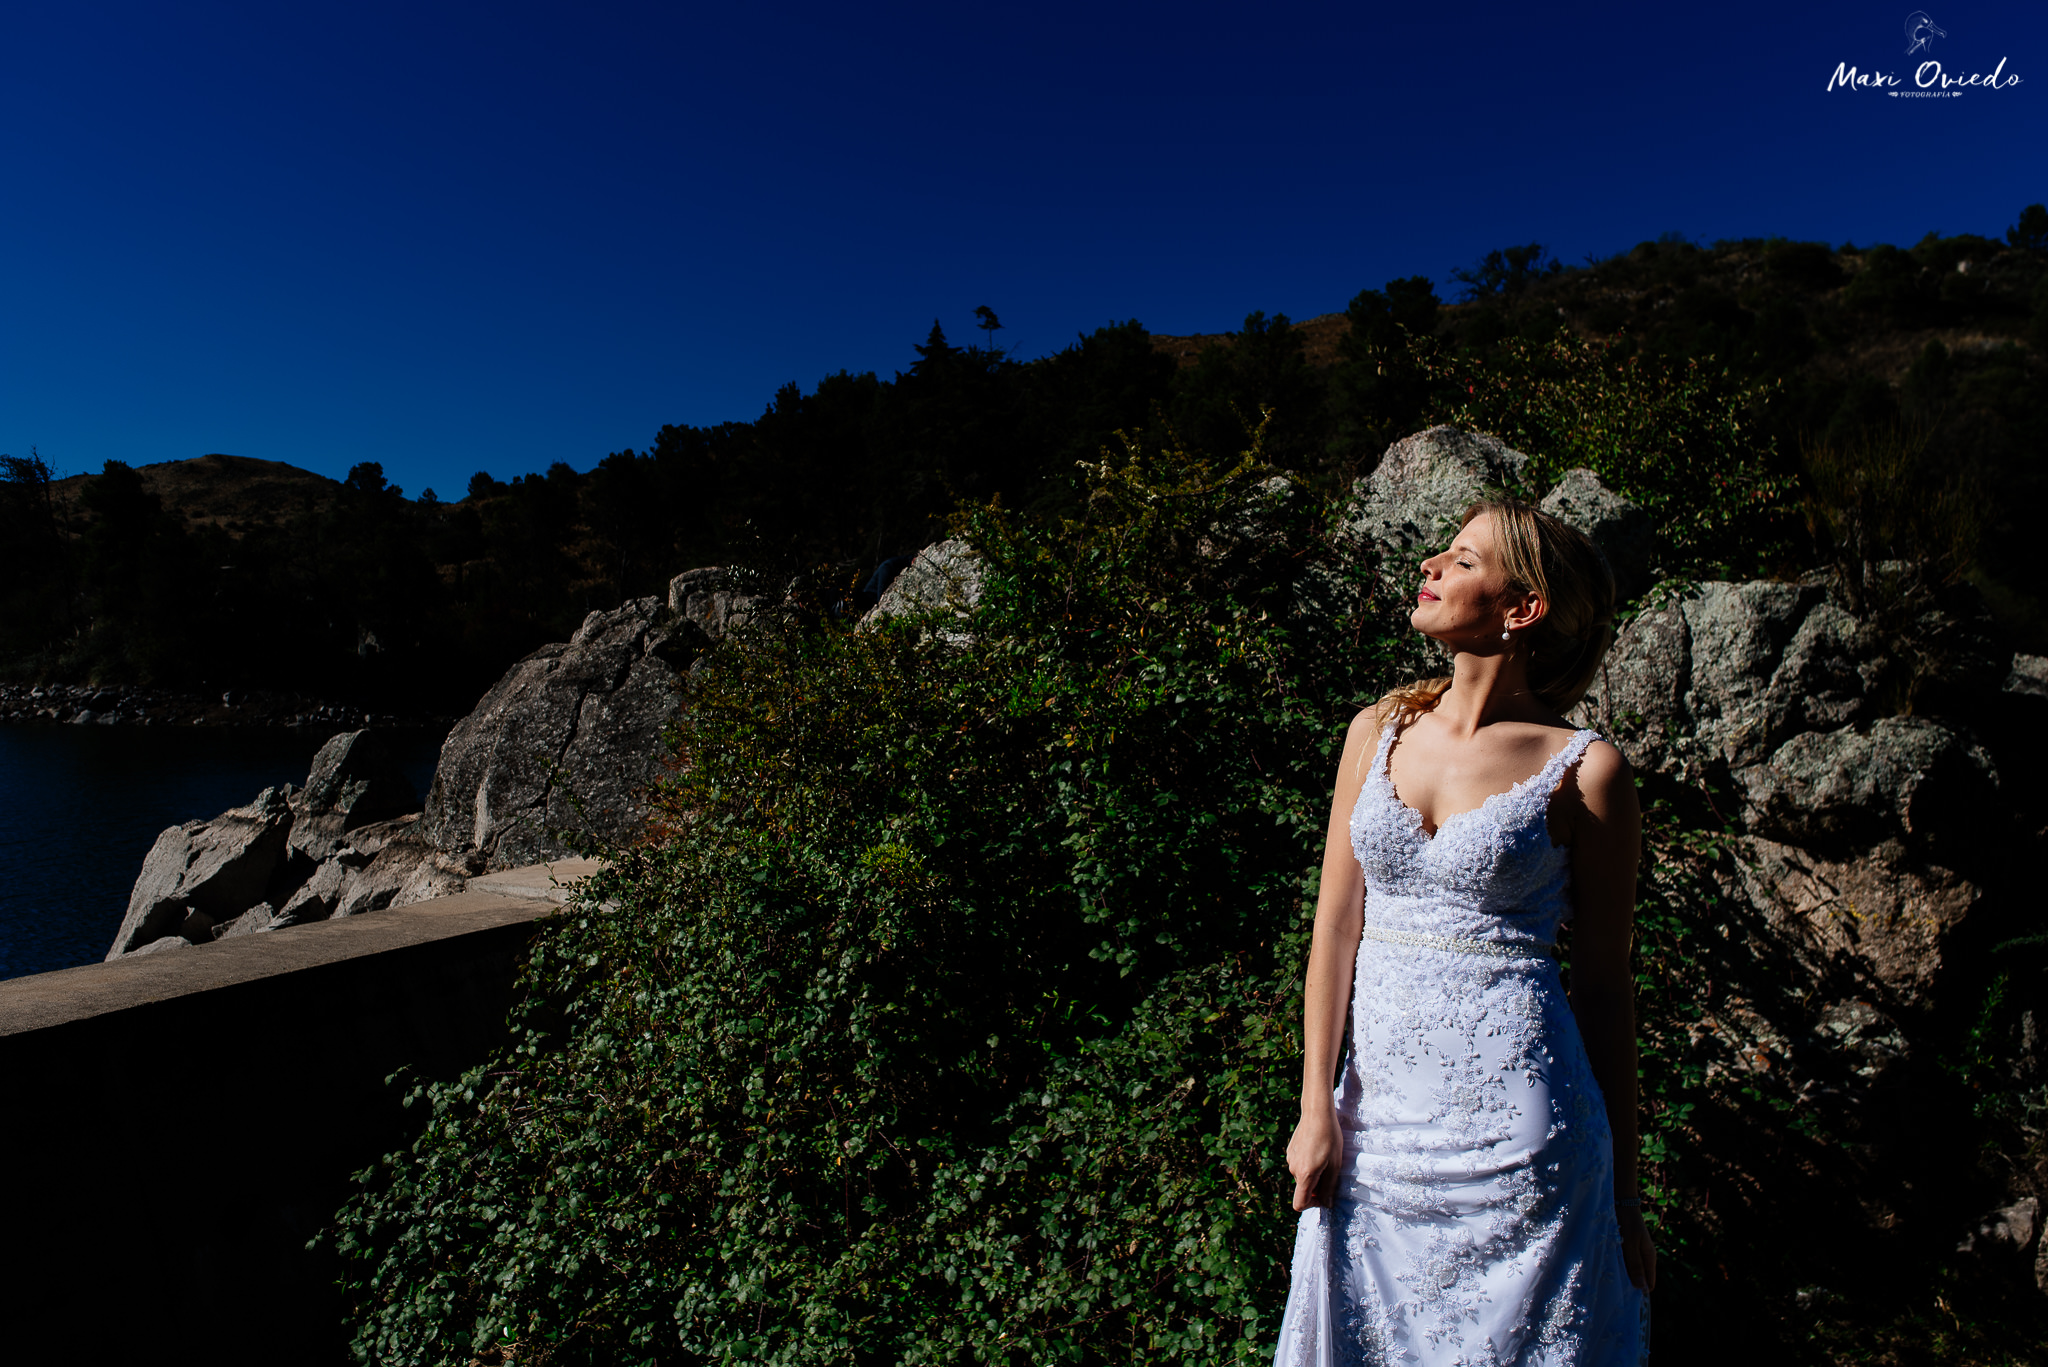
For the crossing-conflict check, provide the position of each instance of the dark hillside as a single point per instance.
(233, 493)
(1903, 390)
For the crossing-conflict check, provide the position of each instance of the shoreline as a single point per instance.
(132, 705)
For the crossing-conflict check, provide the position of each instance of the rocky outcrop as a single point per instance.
(1726, 674)
(568, 739)
(206, 872)
(353, 782)
(292, 856)
(1849, 822)
(1411, 502)
(1623, 532)
(944, 576)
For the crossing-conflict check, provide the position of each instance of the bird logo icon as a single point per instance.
(1921, 32)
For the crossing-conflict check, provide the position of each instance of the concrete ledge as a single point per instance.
(548, 882)
(181, 1124)
(42, 1000)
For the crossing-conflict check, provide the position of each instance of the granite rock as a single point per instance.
(2009, 1229)
(570, 737)
(1913, 778)
(1698, 681)
(1410, 504)
(162, 945)
(392, 876)
(1623, 531)
(316, 898)
(706, 600)
(354, 782)
(1875, 914)
(2028, 676)
(945, 576)
(219, 867)
(249, 922)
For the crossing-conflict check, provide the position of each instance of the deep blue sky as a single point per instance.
(492, 236)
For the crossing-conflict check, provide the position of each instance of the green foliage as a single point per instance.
(1260, 376)
(957, 1018)
(2031, 232)
(1379, 388)
(1506, 272)
(953, 1016)
(1682, 438)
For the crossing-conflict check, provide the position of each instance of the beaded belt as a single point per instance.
(1451, 944)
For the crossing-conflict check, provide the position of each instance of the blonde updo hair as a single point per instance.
(1561, 565)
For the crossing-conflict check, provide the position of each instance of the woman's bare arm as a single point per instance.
(1607, 837)
(1316, 1149)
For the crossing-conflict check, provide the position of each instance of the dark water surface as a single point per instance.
(81, 805)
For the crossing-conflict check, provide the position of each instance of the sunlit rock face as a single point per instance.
(569, 738)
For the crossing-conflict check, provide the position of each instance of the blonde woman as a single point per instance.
(1468, 1185)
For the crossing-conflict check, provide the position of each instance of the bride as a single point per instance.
(1468, 1185)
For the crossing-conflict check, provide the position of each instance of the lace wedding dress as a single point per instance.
(1474, 1218)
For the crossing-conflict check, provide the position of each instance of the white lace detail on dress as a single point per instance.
(1474, 1222)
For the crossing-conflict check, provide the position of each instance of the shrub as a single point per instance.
(954, 1015)
(956, 1019)
(1682, 438)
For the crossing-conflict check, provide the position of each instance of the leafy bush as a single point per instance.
(954, 1015)
(957, 1018)
(1683, 438)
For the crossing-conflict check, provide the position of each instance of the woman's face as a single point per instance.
(1461, 598)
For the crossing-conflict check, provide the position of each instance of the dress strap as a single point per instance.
(1553, 772)
(1379, 758)
(1573, 749)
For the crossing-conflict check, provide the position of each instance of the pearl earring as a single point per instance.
(1507, 636)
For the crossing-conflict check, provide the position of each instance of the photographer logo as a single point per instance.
(1930, 79)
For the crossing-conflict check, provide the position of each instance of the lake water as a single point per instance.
(81, 805)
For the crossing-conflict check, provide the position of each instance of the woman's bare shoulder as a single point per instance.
(1605, 778)
(1372, 719)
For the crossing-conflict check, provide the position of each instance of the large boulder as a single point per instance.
(1885, 921)
(1410, 504)
(706, 599)
(1909, 778)
(218, 868)
(569, 738)
(354, 781)
(1851, 825)
(1724, 675)
(1623, 531)
(944, 576)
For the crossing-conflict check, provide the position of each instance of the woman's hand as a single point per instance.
(1637, 1252)
(1314, 1156)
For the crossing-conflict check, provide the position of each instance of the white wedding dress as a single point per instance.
(1474, 1219)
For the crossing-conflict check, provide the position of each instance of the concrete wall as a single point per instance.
(178, 1125)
